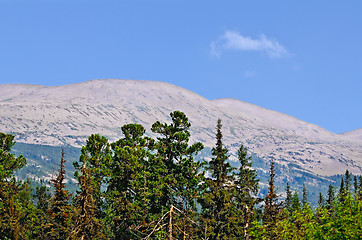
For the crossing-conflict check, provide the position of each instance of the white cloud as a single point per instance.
(234, 41)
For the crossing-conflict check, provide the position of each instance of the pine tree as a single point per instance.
(17, 211)
(288, 199)
(320, 200)
(305, 196)
(342, 191)
(181, 174)
(87, 225)
(59, 208)
(217, 207)
(8, 162)
(330, 198)
(272, 206)
(246, 184)
(355, 185)
(360, 186)
(41, 197)
(295, 202)
(97, 155)
(129, 191)
(348, 181)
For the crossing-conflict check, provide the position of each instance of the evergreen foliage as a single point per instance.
(42, 199)
(59, 207)
(87, 225)
(128, 192)
(217, 202)
(142, 188)
(96, 156)
(320, 200)
(246, 190)
(288, 199)
(179, 175)
(8, 162)
(295, 202)
(17, 215)
(305, 196)
(331, 196)
(272, 205)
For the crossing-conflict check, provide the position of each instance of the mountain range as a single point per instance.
(67, 115)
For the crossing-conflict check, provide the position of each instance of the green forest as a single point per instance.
(153, 188)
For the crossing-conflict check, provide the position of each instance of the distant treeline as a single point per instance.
(144, 188)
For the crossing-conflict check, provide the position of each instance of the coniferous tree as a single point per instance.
(8, 162)
(216, 203)
(360, 186)
(17, 218)
(320, 200)
(305, 196)
(330, 198)
(42, 197)
(348, 181)
(246, 184)
(355, 185)
(272, 206)
(142, 174)
(181, 173)
(59, 208)
(128, 191)
(87, 224)
(342, 191)
(295, 201)
(288, 199)
(98, 157)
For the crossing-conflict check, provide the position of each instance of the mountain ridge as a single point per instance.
(67, 114)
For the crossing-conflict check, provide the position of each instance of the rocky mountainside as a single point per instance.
(355, 134)
(69, 114)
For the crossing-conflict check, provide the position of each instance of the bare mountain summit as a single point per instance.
(354, 135)
(69, 114)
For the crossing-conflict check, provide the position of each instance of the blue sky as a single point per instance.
(302, 58)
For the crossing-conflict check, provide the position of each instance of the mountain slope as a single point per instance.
(69, 114)
(353, 135)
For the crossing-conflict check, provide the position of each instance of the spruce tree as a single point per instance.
(98, 157)
(217, 206)
(320, 200)
(41, 197)
(305, 196)
(295, 202)
(288, 199)
(342, 191)
(87, 224)
(17, 213)
(348, 181)
(330, 199)
(246, 186)
(272, 206)
(59, 208)
(360, 186)
(355, 185)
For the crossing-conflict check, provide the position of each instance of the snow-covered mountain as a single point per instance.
(69, 114)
